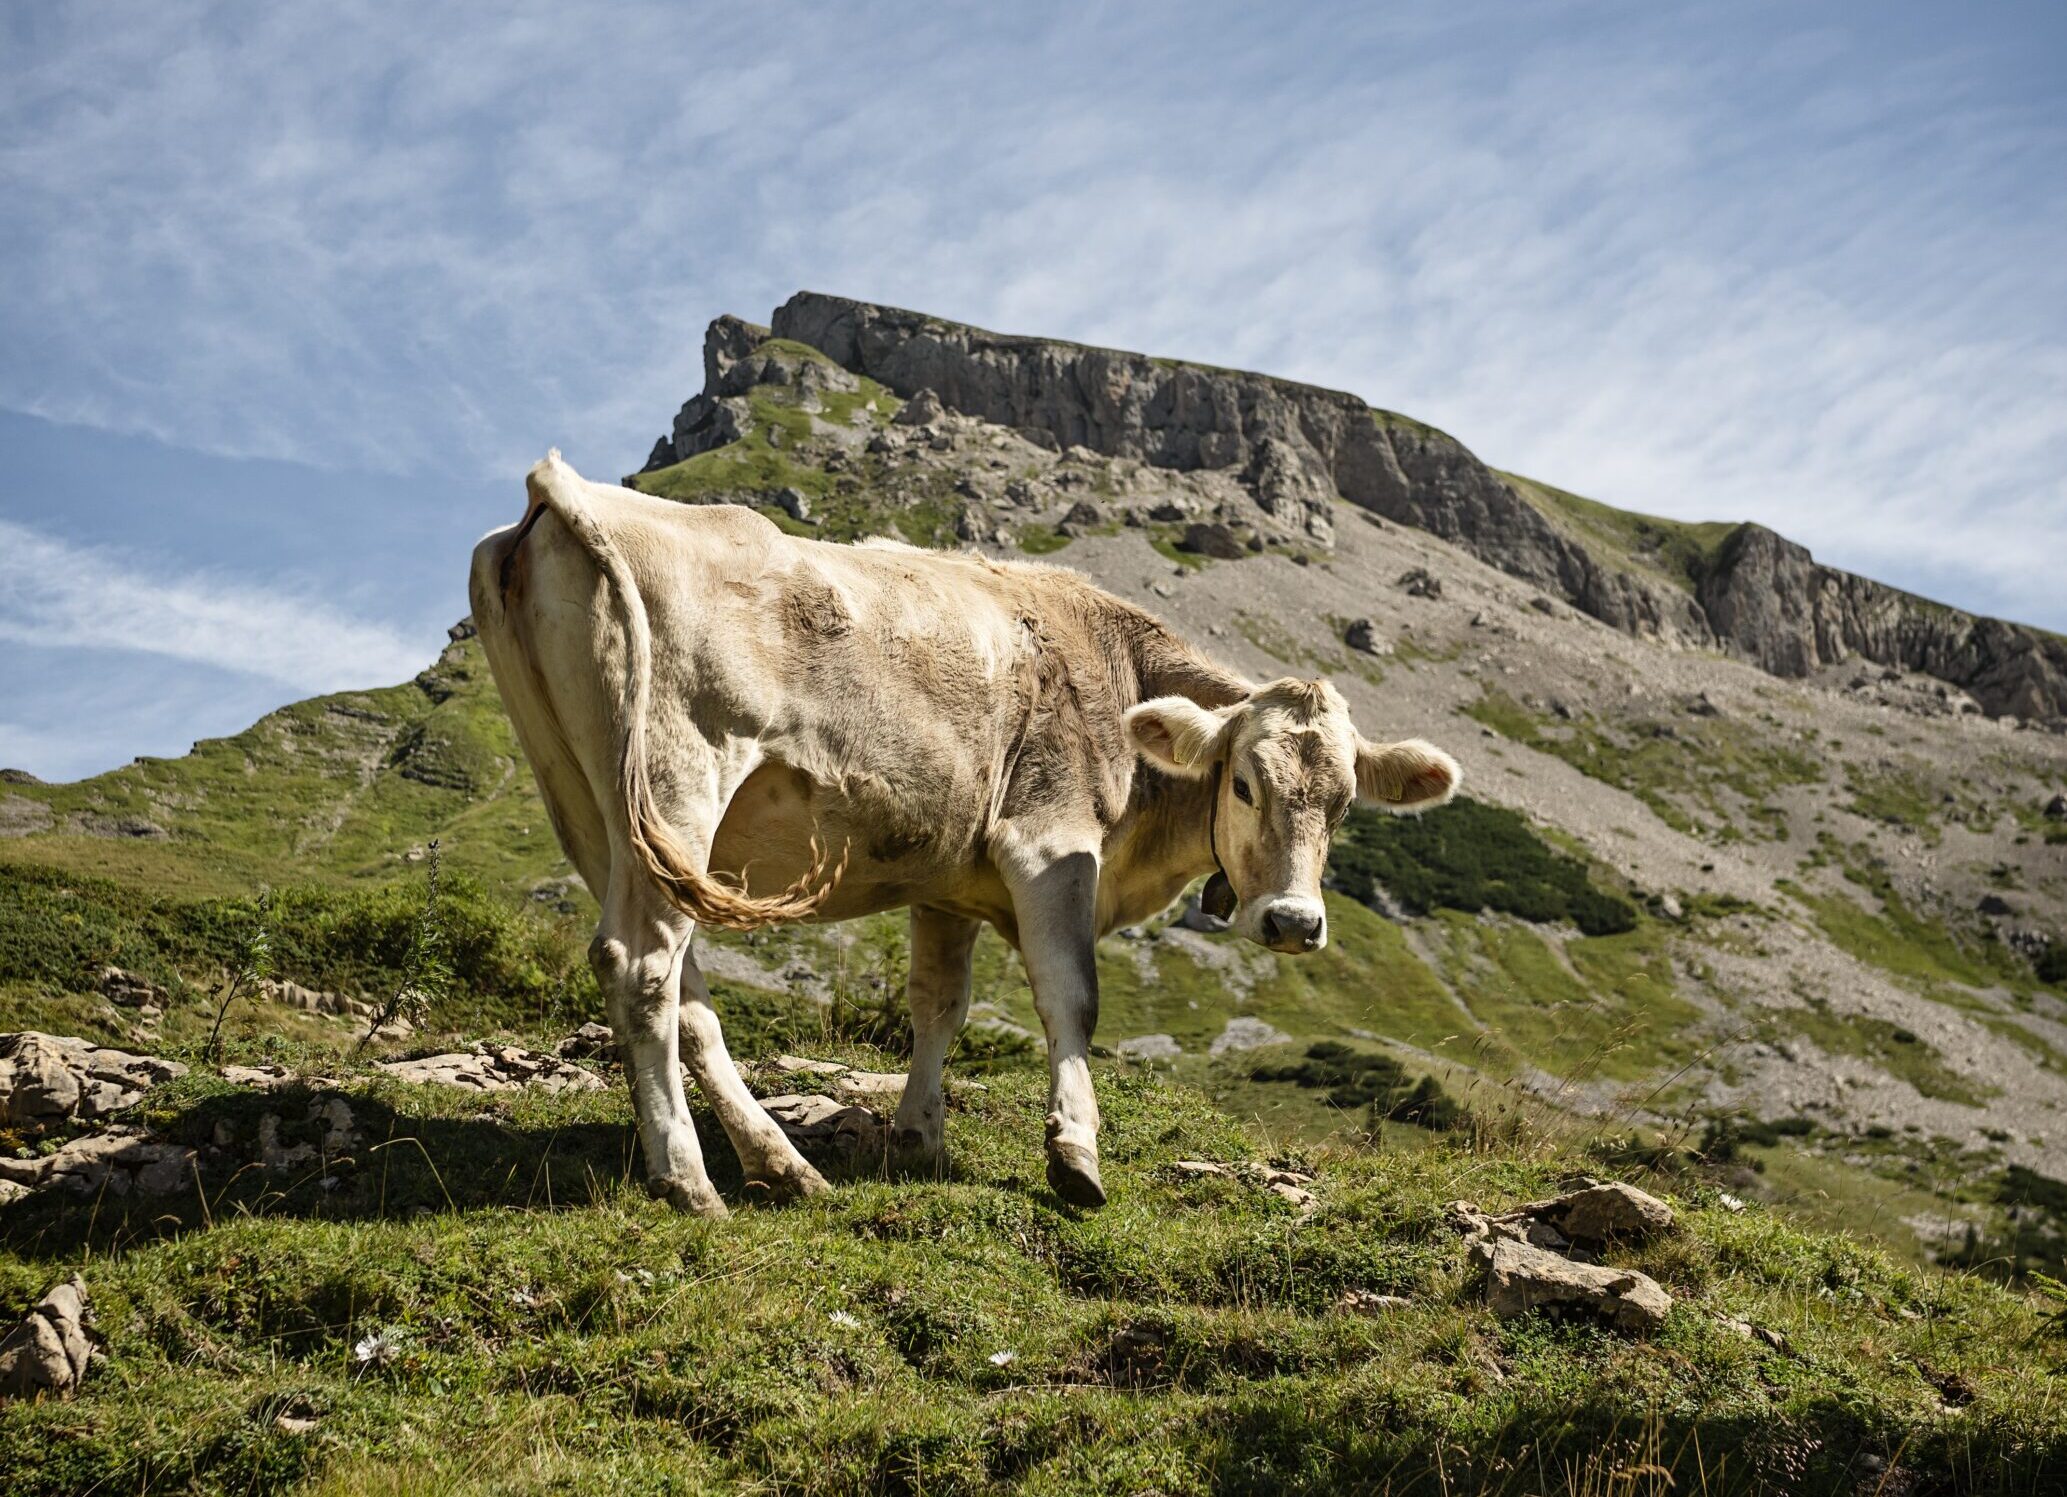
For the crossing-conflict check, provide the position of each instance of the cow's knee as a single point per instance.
(639, 985)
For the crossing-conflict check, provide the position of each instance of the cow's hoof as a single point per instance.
(789, 1183)
(913, 1156)
(690, 1197)
(1073, 1175)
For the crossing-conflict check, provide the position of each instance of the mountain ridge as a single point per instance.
(1296, 447)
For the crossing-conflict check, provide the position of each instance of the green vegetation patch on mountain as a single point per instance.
(1710, 777)
(491, 1304)
(1604, 1006)
(1678, 551)
(1474, 856)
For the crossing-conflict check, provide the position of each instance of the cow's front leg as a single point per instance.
(637, 953)
(938, 992)
(1056, 905)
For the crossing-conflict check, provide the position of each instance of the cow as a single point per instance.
(732, 726)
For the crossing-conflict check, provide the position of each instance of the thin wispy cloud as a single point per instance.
(58, 596)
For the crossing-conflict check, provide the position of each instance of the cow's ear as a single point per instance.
(1408, 776)
(1176, 734)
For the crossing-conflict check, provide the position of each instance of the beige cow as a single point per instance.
(732, 726)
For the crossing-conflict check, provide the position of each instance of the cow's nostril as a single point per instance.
(1270, 929)
(1313, 937)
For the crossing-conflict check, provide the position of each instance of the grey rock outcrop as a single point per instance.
(47, 1079)
(1521, 1278)
(117, 1162)
(1772, 600)
(48, 1353)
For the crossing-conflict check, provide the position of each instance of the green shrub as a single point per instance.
(1471, 856)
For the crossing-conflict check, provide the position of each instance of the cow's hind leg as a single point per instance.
(770, 1162)
(938, 992)
(638, 952)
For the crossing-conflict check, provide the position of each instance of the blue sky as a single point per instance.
(291, 295)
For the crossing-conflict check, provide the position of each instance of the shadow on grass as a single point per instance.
(381, 1159)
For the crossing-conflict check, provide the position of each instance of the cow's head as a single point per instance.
(1288, 763)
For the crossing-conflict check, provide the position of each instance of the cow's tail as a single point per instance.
(676, 868)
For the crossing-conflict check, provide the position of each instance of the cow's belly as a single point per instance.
(924, 855)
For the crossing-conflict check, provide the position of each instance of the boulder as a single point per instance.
(1419, 582)
(1084, 513)
(1150, 1047)
(923, 409)
(1362, 635)
(1521, 1278)
(1246, 1032)
(47, 1079)
(48, 1353)
(128, 990)
(2056, 809)
(1212, 538)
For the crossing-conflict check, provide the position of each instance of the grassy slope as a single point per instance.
(333, 790)
(550, 1327)
(1676, 551)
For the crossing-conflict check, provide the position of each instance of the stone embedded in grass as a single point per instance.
(494, 1068)
(1288, 1186)
(1521, 1278)
(48, 1079)
(1369, 1302)
(1520, 1252)
(800, 1065)
(1246, 1032)
(869, 1083)
(816, 1121)
(49, 1352)
(118, 1162)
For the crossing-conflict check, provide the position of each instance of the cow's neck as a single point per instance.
(1164, 841)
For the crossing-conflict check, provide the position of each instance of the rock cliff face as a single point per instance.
(1296, 447)
(1769, 598)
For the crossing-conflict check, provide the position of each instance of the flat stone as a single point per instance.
(494, 1068)
(118, 1162)
(792, 1065)
(870, 1084)
(1367, 1302)
(819, 1123)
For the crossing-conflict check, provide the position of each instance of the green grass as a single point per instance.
(1924, 953)
(1604, 1007)
(334, 789)
(1711, 778)
(542, 1325)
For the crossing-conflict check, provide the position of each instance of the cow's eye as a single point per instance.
(1241, 791)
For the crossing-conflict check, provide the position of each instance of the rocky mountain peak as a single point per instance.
(1296, 451)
